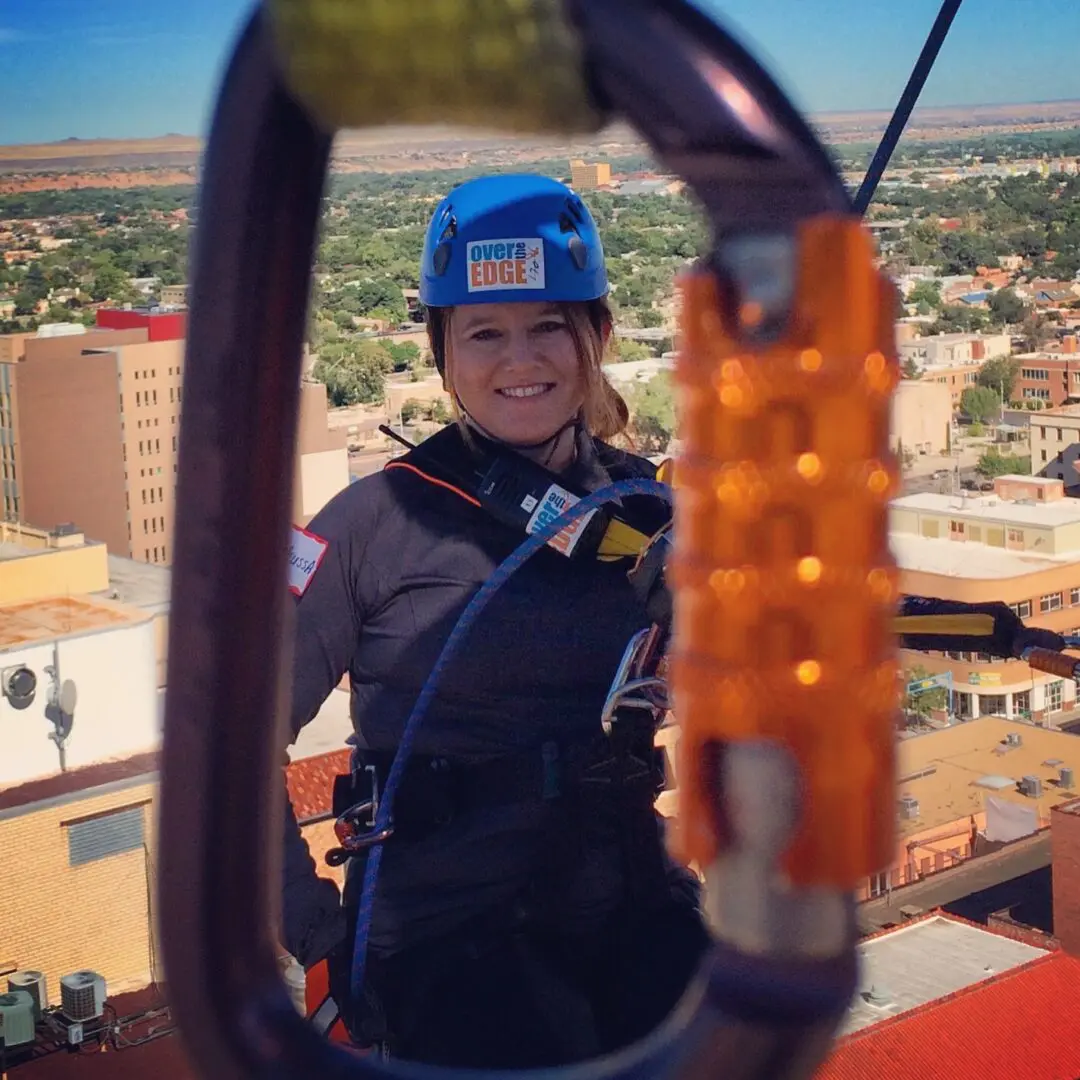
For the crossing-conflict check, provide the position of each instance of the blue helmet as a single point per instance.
(511, 238)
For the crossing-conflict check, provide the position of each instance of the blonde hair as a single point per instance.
(605, 413)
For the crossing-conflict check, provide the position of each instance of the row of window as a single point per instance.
(1037, 393)
(160, 495)
(1035, 374)
(968, 531)
(146, 525)
(146, 553)
(1060, 432)
(1047, 603)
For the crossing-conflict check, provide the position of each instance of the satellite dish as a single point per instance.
(19, 685)
(68, 695)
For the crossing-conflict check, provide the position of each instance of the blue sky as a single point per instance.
(128, 68)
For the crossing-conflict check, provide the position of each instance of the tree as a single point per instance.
(928, 292)
(1006, 306)
(652, 411)
(994, 463)
(980, 403)
(922, 703)
(354, 372)
(911, 369)
(999, 374)
(439, 412)
(405, 354)
(630, 350)
(410, 410)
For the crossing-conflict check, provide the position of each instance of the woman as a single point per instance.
(526, 912)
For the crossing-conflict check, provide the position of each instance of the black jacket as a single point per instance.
(400, 559)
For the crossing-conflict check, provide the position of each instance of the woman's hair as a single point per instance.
(605, 412)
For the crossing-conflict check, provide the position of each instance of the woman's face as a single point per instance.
(515, 369)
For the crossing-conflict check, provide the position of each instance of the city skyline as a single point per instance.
(105, 71)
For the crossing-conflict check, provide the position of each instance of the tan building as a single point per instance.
(921, 416)
(1054, 438)
(322, 457)
(966, 787)
(954, 350)
(174, 295)
(110, 467)
(957, 377)
(585, 177)
(398, 391)
(1020, 546)
(14, 350)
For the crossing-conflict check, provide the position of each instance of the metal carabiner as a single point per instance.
(302, 70)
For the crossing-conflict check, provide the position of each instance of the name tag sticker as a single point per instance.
(557, 501)
(306, 553)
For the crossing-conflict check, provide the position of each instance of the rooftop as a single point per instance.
(954, 759)
(925, 960)
(139, 584)
(970, 560)
(58, 617)
(1022, 1024)
(310, 782)
(993, 508)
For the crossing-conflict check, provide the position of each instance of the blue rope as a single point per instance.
(476, 605)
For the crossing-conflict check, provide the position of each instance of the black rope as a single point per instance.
(906, 103)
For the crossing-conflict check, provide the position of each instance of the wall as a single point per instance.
(70, 572)
(1065, 856)
(1055, 447)
(73, 471)
(59, 918)
(921, 416)
(319, 478)
(115, 674)
(151, 394)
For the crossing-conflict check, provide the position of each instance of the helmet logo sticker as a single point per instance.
(505, 264)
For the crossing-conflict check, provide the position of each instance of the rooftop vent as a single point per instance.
(82, 995)
(66, 528)
(1031, 786)
(1014, 738)
(878, 996)
(997, 783)
(17, 1018)
(32, 983)
(1066, 778)
(909, 807)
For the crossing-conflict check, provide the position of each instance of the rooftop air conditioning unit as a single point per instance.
(16, 1018)
(34, 984)
(82, 995)
(1014, 738)
(1066, 778)
(1031, 785)
(909, 807)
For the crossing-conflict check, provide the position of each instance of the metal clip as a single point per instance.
(353, 833)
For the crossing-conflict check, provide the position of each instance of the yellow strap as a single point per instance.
(977, 625)
(621, 541)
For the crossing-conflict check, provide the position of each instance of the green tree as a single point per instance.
(439, 412)
(928, 292)
(630, 350)
(650, 317)
(980, 403)
(354, 372)
(922, 703)
(1006, 306)
(404, 354)
(911, 370)
(999, 375)
(994, 463)
(410, 410)
(652, 411)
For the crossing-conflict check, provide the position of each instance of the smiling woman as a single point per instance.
(515, 284)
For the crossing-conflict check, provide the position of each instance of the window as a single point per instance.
(104, 835)
(155, 396)
(1043, 455)
(1023, 609)
(1016, 536)
(140, 448)
(956, 529)
(155, 555)
(1074, 597)
(144, 495)
(1052, 602)
(151, 494)
(174, 442)
(146, 552)
(975, 533)
(138, 397)
(879, 884)
(138, 423)
(144, 528)
(162, 520)
(153, 522)
(162, 552)
(171, 394)
(1054, 695)
(1061, 435)
(160, 495)
(157, 446)
(992, 705)
(1022, 702)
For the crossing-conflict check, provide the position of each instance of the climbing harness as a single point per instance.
(780, 571)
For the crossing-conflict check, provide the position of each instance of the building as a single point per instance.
(174, 295)
(1022, 551)
(961, 791)
(957, 377)
(1054, 438)
(43, 345)
(1050, 377)
(944, 1000)
(955, 350)
(922, 413)
(111, 467)
(160, 325)
(322, 456)
(401, 389)
(585, 177)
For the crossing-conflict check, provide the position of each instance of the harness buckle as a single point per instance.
(355, 826)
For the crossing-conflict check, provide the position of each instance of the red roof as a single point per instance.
(1022, 1025)
(310, 782)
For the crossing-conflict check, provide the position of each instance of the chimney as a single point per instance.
(1065, 872)
(1068, 343)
